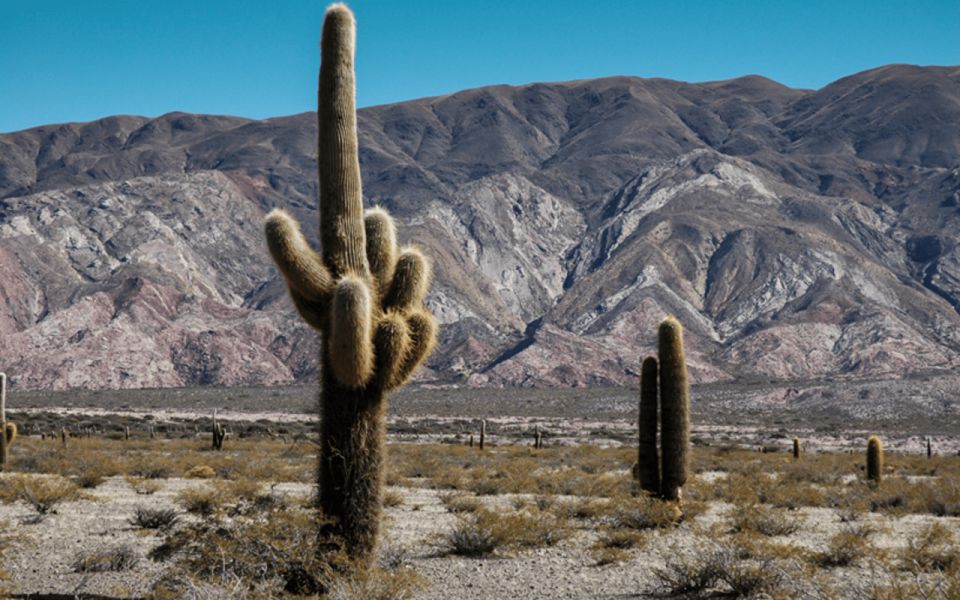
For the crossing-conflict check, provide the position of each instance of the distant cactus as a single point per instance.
(217, 433)
(9, 429)
(674, 409)
(874, 459)
(64, 436)
(796, 448)
(538, 438)
(648, 459)
(483, 433)
(929, 448)
(363, 293)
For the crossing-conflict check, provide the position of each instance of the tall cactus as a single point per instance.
(796, 448)
(648, 457)
(874, 459)
(8, 430)
(362, 293)
(674, 409)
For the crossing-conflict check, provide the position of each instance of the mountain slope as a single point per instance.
(796, 233)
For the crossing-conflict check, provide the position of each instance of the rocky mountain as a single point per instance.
(797, 234)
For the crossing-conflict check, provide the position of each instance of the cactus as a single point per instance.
(8, 434)
(929, 448)
(363, 294)
(648, 458)
(796, 448)
(674, 409)
(64, 436)
(217, 433)
(483, 433)
(537, 439)
(874, 459)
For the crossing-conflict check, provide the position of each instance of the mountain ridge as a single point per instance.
(796, 233)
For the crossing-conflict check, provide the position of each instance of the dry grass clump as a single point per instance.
(200, 472)
(42, 493)
(933, 549)
(118, 558)
(459, 502)
(392, 499)
(614, 546)
(143, 487)
(712, 569)
(145, 517)
(201, 501)
(484, 532)
(843, 550)
(762, 520)
(642, 512)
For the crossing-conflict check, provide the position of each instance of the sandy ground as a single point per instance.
(41, 564)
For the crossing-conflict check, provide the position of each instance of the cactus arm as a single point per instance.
(391, 343)
(411, 279)
(350, 336)
(381, 247)
(342, 235)
(300, 265)
(423, 338)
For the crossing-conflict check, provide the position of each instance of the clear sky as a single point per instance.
(78, 60)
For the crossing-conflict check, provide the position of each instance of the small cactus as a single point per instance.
(7, 438)
(64, 436)
(929, 448)
(483, 433)
(874, 459)
(217, 433)
(796, 448)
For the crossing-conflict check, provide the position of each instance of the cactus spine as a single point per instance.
(874, 459)
(483, 433)
(363, 294)
(674, 409)
(648, 457)
(796, 448)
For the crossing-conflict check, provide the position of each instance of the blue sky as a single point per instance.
(80, 60)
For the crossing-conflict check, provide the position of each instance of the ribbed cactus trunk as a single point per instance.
(674, 409)
(648, 456)
(874, 460)
(363, 293)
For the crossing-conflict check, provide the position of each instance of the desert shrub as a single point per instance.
(118, 558)
(583, 508)
(642, 512)
(201, 501)
(41, 493)
(245, 490)
(459, 502)
(844, 549)
(143, 487)
(933, 549)
(613, 545)
(153, 518)
(392, 499)
(760, 519)
(483, 532)
(715, 567)
(201, 472)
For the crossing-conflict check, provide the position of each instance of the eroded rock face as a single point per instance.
(796, 234)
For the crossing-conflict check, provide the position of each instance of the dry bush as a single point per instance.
(613, 545)
(392, 498)
(154, 518)
(245, 490)
(459, 502)
(118, 558)
(843, 550)
(484, 532)
(402, 583)
(933, 549)
(42, 493)
(642, 512)
(762, 520)
(200, 501)
(143, 487)
(583, 508)
(200, 472)
(714, 569)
